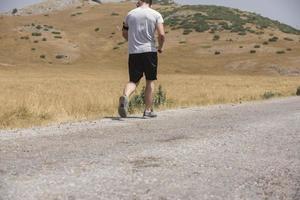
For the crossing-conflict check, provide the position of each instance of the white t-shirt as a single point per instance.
(142, 23)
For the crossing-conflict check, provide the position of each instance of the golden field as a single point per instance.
(86, 82)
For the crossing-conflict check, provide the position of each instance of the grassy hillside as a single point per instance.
(72, 64)
(202, 18)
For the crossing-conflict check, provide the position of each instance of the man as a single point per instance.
(139, 29)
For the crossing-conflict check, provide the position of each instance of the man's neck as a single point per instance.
(145, 5)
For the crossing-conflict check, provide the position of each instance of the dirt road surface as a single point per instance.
(244, 151)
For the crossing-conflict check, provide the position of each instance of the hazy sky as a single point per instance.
(286, 11)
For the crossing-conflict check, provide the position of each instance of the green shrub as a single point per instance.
(24, 38)
(55, 32)
(115, 14)
(35, 41)
(15, 10)
(280, 52)
(289, 49)
(187, 31)
(217, 52)
(216, 37)
(32, 49)
(97, 29)
(270, 94)
(39, 27)
(257, 46)
(137, 102)
(273, 39)
(36, 34)
(252, 51)
(241, 47)
(298, 91)
(42, 56)
(265, 43)
(44, 39)
(58, 37)
(288, 39)
(121, 43)
(116, 47)
(59, 56)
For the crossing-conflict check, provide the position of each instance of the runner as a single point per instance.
(139, 29)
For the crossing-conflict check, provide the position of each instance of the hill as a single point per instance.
(72, 64)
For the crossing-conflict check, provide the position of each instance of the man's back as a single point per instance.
(142, 23)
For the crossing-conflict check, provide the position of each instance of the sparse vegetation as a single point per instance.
(60, 56)
(38, 27)
(58, 37)
(265, 43)
(36, 34)
(115, 14)
(44, 39)
(43, 56)
(257, 46)
(187, 31)
(14, 11)
(32, 49)
(252, 51)
(217, 52)
(273, 39)
(97, 29)
(280, 52)
(116, 47)
(137, 102)
(24, 38)
(289, 49)
(298, 91)
(75, 14)
(35, 41)
(55, 32)
(288, 39)
(270, 94)
(224, 19)
(216, 37)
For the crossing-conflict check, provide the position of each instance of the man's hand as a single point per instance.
(160, 50)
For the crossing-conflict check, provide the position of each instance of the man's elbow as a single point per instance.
(125, 35)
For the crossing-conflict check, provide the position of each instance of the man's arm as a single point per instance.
(125, 31)
(161, 36)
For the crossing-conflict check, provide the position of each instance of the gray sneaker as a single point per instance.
(123, 106)
(150, 114)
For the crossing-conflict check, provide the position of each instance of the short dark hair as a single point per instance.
(147, 1)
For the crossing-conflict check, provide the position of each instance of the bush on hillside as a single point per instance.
(280, 52)
(273, 39)
(216, 37)
(298, 91)
(36, 34)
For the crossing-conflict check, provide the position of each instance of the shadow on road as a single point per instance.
(122, 119)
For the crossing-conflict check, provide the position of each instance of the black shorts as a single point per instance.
(142, 63)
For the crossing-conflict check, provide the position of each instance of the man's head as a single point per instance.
(141, 2)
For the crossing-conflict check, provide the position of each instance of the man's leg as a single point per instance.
(149, 95)
(129, 88)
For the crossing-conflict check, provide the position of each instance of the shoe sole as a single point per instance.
(122, 110)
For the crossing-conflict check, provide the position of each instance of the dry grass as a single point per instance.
(32, 99)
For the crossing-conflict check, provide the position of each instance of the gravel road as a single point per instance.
(244, 151)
